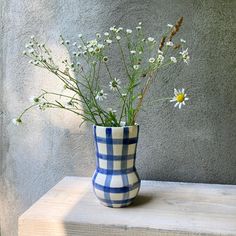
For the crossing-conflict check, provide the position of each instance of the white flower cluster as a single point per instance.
(185, 56)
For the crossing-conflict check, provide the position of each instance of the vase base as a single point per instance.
(116, 205)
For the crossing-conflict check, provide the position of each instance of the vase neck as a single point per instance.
(116, 148)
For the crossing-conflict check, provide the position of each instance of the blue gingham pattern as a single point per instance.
(115, 180)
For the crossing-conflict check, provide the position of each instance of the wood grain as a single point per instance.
(162, 208)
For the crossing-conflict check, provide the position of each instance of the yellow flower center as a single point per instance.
(180, 97)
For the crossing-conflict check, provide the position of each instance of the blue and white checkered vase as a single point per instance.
(115, 180)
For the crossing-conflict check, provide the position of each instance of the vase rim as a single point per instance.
(129, 126)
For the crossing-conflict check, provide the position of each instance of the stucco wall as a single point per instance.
(196, 144)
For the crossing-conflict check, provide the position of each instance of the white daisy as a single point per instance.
(170, 44)
(170, 25)
(151, 60)
(138, 28)
(100, 46)
(118, 37)
(180, 98)
(17, 121)
(182, 41)
(109, 41)
(160, 59)
(150, 39)
(132, 51)
(173, 59)
(160, 52)
(113, 28)
(128, 31)
(109, 109)
(98, 35)
(115, 84)
(90, 50)
(93, 42)
(136, 67)
(101, 95)
(185, 56)
(106, 34)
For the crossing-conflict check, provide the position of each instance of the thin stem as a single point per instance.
(27, 109)
(123, 58)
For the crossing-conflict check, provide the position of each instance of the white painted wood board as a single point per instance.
(162, 208)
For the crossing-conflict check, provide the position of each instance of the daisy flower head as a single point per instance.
(150, 39)
(108, 41)
(100, 46)
(185, 56)
(119, 29)
(101, 95)
(170, 25)
(132, 51)
(113, 28)
(179, 97)
(118, 37)
(115, 84)
(109, 109)
(136, 67)
(90, 50)
(151, 60)
(128, 31)
(106, 34)
(105, 59)
(173, 59)
(17, 121)
(182, 41)
(138, 28)
(170, 44)
(98, 35)
(160, 58)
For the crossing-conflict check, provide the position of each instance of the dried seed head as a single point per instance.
(176, 28)
(177, 46)
(162, 42)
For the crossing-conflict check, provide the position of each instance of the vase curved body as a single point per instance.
(115, 181)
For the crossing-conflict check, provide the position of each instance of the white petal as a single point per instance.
(186, 99)
(183, 103)
(175, 91)
(176, 104)
(182, 90)
(180, 104)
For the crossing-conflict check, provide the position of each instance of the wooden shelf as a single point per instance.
(162, 208)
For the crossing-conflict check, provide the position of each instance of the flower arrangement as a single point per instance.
(85, 72)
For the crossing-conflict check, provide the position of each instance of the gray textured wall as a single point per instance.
(196, 144)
